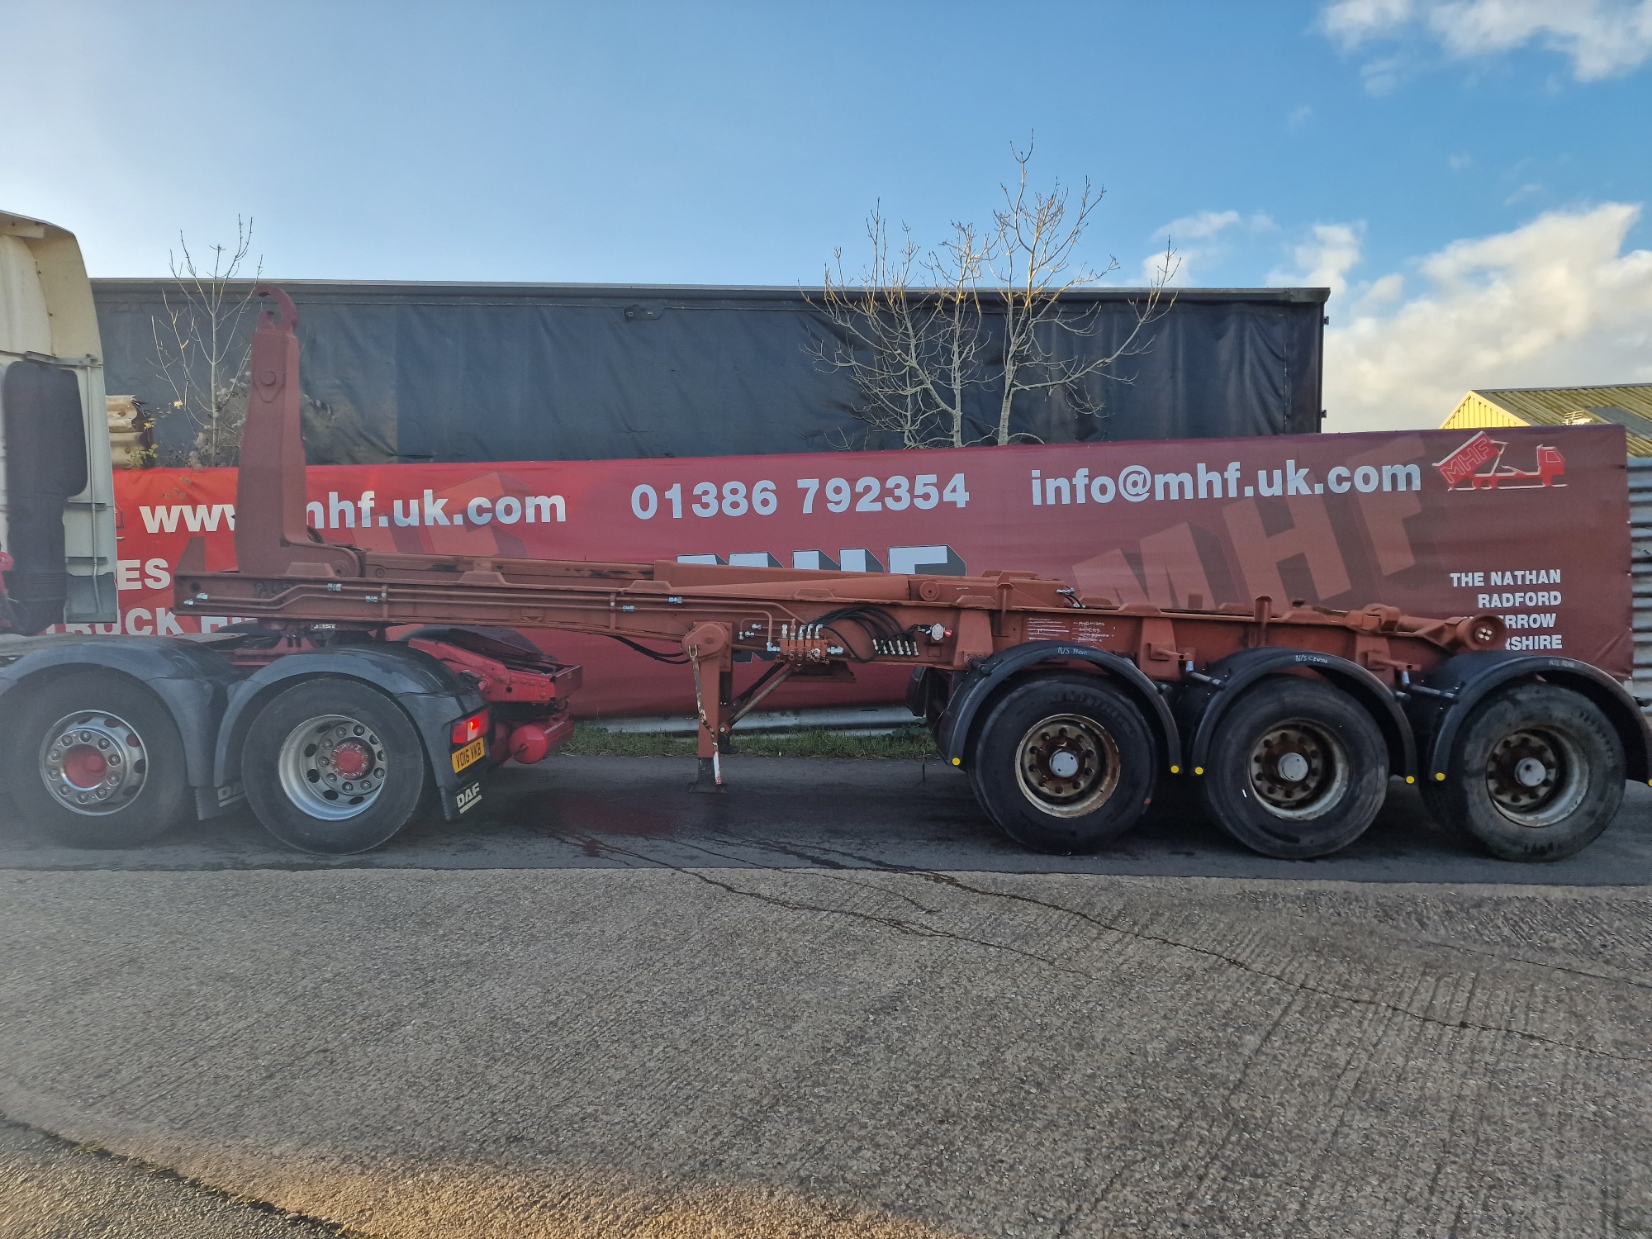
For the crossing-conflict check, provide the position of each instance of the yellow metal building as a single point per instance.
(1628, 405)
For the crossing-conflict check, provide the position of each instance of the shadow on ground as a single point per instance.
(605, 812)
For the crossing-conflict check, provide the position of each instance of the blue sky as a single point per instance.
(1353, 143)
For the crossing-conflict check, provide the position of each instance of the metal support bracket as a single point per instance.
(710, 647)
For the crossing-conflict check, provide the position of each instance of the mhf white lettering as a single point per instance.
(340, 513)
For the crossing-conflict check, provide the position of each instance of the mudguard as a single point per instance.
(976, 687)
(433, 697)
(192, 681)
(926, 694)
(1445, 698)
(1201, 708)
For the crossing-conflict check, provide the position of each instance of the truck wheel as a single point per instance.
(95, 761)
(333, 766)
(1064, 764)
(1536, 774)
(1297, 769)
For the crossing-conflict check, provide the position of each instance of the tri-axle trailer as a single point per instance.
(362, 686)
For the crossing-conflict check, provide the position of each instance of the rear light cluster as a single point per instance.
(472, 728)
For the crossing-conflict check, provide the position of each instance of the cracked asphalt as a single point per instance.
(831, 1002)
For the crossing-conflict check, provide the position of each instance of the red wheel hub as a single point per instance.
(84, 767)
(352, 760)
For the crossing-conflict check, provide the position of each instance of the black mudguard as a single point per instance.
(1439, 704)
(975, 687)
(1200, 709)
(432, 696)
(927, 693)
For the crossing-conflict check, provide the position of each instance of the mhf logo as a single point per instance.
(1463, 468)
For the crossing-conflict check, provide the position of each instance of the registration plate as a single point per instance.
(470, 754)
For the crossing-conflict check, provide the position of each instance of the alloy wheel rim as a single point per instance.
(93, 763)
(333, 767)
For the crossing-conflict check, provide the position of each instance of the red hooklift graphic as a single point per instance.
(1463, 465)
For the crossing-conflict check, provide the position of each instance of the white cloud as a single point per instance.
(1602, 38)
(1350, 19)
(1198, 227)
(1556, 302)
(1383, 77)
(1198, 240)
(1324, 261)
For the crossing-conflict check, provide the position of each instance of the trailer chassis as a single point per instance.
(1063, 711)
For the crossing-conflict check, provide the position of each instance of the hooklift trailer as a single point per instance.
(1064, 713)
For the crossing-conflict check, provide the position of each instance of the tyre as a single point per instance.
(94, 760)
(1064, 764)
(1536, 773)
(333, 766)
(1297, 769)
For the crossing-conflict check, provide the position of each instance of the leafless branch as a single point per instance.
(912, 351)
(915, 353)
(200, 352)
(1038, 237)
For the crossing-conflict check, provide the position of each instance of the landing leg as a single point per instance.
(725, 710)
(709, 777)
(710, 647)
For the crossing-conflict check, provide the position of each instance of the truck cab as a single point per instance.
(57, 513)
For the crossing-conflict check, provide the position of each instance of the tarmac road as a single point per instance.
(604, 812)
(834, 1002)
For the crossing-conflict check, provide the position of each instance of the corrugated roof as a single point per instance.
(1625, 404)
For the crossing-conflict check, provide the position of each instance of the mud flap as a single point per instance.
(457, 801)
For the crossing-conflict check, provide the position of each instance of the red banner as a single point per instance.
(1531, 524)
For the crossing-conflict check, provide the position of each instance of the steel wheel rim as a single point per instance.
(1067, 765)
(93, 763)
(332, 767)
(1298, 769)
(1526, 800)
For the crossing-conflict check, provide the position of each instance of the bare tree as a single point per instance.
(201, 351)
(913, 351)
(1036, 243)
(991, 315)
